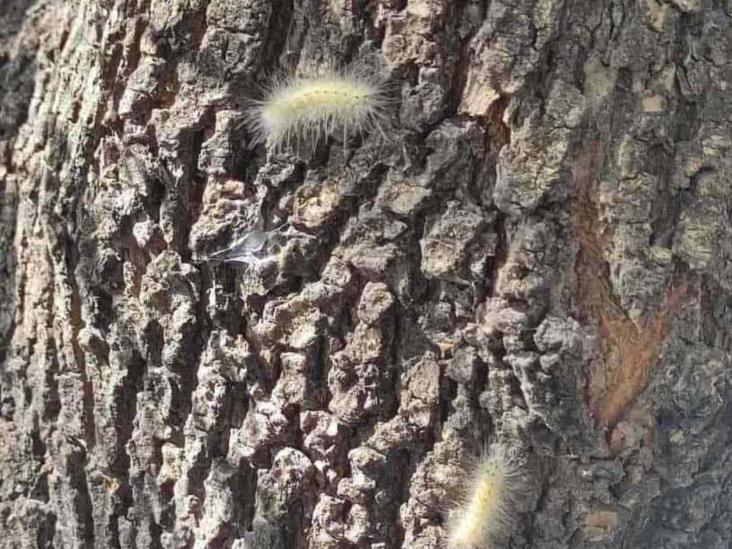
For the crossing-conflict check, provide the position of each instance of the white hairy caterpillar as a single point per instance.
(493, 487)
(294, 108)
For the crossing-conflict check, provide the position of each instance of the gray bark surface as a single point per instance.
(540, 257)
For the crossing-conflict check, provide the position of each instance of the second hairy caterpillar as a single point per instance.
(352, 101)
(493, 488)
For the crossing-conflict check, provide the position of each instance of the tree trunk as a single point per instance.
(539, 257)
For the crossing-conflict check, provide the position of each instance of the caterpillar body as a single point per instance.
(486, 509)
(353, 101)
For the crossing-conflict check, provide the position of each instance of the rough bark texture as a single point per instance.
(541, 256)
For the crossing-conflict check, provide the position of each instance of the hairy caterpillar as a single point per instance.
(494, 486)
(352, 101)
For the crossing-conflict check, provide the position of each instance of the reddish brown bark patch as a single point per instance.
(627, 352)
(629, 355)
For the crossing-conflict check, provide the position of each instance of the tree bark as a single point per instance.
(540, 256)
